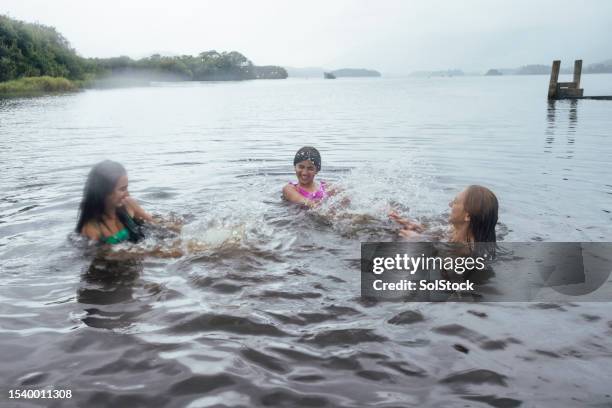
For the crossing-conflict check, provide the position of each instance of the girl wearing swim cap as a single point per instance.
(306, 191)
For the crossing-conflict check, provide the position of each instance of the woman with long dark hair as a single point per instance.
(107, 213)
(473, 217)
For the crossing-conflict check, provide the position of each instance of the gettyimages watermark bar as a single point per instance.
(486, 272)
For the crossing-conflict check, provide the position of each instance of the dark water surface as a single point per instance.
(263, 306)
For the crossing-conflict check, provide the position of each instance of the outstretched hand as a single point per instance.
(394, 216)
(408, 233)
(407, 225)
(171, 223)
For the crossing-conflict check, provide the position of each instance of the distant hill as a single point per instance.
(604, 67)
(526, 70)
(493, 72)
(533, 70)
(317, 72)
(355, 72)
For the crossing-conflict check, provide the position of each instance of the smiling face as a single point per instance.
(119, 194)
(305, 172)
(458, 214)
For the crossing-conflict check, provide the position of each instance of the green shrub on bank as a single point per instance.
(32, 49)
(37, 85)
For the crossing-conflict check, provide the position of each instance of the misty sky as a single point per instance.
(392, 36)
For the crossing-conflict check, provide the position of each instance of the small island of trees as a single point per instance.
(355, 72)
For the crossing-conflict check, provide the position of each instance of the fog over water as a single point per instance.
(392, 36)
(263, 307)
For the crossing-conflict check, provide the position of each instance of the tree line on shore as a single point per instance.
(206, 66)
(36, 50)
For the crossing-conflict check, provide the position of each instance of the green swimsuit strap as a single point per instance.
(120, 236)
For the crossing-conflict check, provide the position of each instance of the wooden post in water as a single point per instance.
(568, 90)
(554, 79)
(577, 72)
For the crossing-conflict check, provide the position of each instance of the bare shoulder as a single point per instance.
(91, 231)
(289, 190)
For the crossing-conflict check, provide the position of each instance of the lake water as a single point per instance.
(263, 306)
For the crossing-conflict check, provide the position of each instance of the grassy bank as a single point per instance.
(38, 85)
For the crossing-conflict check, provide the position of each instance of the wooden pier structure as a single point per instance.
(568, 90)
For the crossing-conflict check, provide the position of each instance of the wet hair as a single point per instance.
(482, 206)
(308, 153)
(101, 182)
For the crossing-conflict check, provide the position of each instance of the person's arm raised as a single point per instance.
(405, 222)
(408, 233)
(136, 210)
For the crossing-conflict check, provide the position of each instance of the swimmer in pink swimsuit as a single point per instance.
(305, 191)
(314, 196)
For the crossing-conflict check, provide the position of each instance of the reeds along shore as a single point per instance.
(43, 84)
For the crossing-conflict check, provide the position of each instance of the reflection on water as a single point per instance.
(569, 131)
(573, 116)
(114, 292)
(257, 302)
(550, 117)
(108, 282)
